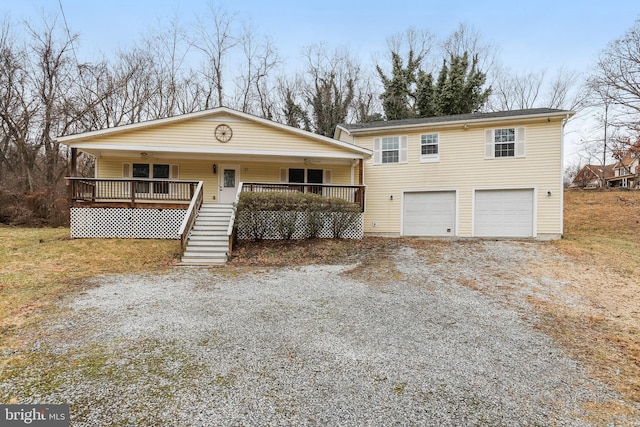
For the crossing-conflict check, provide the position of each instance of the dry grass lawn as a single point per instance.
(40, 265)
(602, 238)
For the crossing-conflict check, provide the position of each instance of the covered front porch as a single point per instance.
(152, 179)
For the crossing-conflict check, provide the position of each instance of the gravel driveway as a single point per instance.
(313, 345)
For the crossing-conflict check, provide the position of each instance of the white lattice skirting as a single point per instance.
(126, 223)
(271, 225)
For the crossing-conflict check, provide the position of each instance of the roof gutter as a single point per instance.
(453, 123)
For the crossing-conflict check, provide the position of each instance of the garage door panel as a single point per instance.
(503, 213)
(429, 213)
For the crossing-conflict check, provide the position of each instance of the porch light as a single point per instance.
(215, 169)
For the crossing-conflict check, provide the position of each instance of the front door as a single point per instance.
(228, 180)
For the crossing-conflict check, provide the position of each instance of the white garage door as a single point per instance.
(429, 213)
(503, 213)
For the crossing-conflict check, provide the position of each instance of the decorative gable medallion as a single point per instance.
(223, 133)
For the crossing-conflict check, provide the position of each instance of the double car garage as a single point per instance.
(496, 213)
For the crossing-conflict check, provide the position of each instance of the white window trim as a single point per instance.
(430, 158)
(284, 175)
(402, 150)
(519, 143)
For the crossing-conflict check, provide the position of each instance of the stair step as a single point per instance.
(219, 225)
(212, 221)
(208, 247)
(210, 263)
(203, 262)
(200, 235)
(205, 255)
(208, 244)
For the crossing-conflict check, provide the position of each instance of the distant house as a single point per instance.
(471, 175)
(626, 171)
(590, 176)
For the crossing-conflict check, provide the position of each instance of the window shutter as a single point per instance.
(327, 176)
(403, 150)
(488, 144)
(284, 175)
(520, 142)
(174, 172)
(377, 155)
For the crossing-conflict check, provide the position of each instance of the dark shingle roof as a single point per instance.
(453, 118)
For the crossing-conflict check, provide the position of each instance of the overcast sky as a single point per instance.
(531, 36)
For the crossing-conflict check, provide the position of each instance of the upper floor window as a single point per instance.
(429, 151)
(390, 149)
(504, 142)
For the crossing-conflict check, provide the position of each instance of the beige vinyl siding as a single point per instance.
(199, 133)
(463, 166)
(202, 170)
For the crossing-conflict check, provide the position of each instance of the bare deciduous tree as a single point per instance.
(515, 91)
(214, 38)
(254, 82)
(618, 69)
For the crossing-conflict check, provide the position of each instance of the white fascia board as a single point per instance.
(191, 150)
(451, 123)
(339, 130)
(127, 128)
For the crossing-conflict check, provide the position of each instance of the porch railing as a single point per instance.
(351, 193)
(190, 217)
(130, 190)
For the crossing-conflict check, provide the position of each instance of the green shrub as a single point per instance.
(318, 211)
(293, 201)
(286, 224)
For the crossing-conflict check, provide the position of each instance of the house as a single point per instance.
(471, 175)
(179, 177)
(626, 171)
(591, 176)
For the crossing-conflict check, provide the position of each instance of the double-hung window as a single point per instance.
(390, 149)
(429, 150)
(504, 142)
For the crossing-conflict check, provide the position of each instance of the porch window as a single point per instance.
(156, 171)
(306, 176)
(296, 175)
(141, 170)
(161, 172)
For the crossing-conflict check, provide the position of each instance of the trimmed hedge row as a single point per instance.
(278, 215)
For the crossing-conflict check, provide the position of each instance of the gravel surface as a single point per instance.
(313, 345)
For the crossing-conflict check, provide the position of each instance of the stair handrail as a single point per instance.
(232, 220)
(190, 216)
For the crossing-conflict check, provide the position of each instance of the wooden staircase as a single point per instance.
(208, 242)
